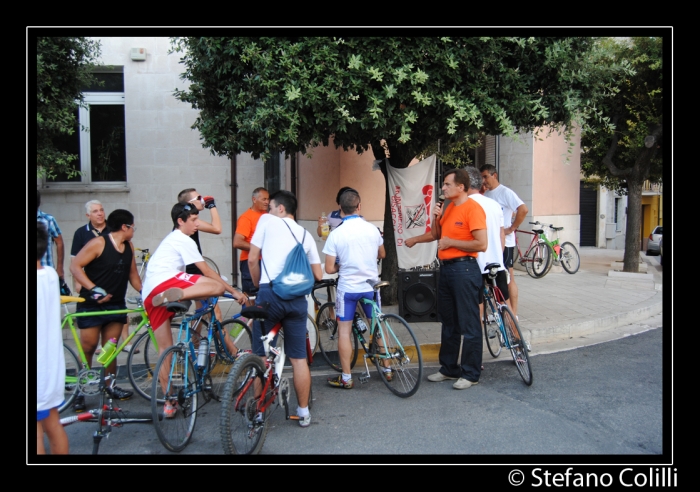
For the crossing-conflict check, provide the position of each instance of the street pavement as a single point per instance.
(558, 312)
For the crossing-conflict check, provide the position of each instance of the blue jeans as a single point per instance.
(458, 310)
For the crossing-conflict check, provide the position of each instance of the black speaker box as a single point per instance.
(418, 295)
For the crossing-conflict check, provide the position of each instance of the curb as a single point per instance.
(430, 351)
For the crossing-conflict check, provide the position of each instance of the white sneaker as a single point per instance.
(305, 421)
(438, 376)
(462, 383)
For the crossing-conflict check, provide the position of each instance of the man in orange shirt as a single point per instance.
(461, 234)
(245, 229)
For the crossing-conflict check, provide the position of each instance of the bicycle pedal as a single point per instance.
(364, 378)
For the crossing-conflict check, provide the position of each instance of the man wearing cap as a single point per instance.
(461, 234)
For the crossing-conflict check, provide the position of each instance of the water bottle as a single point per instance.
(107, 351)
(203, 354)
(360, 323)
(325, 226)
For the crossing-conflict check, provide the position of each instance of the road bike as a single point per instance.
(391, 345)
(244, 420)
(501, 327)
(536, 256)
(542, 252)
(195, 366)
(106, 414)
(139, 366)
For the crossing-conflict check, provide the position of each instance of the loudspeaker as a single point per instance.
(418, 295)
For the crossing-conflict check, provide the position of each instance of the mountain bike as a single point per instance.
(565, 254)
(244, 420)
(391, 345)
(501, 326)
(79, 375)
(196, 365)
(106, 414)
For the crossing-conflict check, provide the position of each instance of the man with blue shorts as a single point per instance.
(356, 245)
(276, 234)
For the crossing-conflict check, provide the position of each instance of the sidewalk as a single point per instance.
(587, 305)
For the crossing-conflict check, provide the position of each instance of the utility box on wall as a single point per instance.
(610, 230)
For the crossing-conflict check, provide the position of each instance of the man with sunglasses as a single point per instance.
(245, 229)
(103, 267)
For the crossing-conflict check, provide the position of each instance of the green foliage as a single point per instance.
(261, 95)
(63, 68)
(617, 154)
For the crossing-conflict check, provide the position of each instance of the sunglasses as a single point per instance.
(198, 197)
(132, 226)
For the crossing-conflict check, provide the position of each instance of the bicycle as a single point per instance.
(244, 417)
(195, 365)
(78, 372)
(391, 341)
(501, 326)
(106, 415)
(542, 252)
(565, 254)
(536, 257)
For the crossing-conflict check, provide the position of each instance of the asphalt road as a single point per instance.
(603, 399)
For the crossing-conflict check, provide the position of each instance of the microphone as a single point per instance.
(441, 199)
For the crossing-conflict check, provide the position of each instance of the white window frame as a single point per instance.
(85, 183)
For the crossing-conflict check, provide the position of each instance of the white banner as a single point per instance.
(412, 201)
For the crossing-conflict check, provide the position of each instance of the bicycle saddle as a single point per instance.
(377, 284)
(493, 269)
(254, 312)
(179, 306)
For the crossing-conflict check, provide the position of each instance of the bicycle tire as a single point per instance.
(492, 322)
(212, 265)
(141, 364)
(539, 261)
(72, 369)
(223, 361)
(328, 337)
(238, 433)
(312, 329)
(175, 432)
(406, 362)
(516, 344)
(569, 257)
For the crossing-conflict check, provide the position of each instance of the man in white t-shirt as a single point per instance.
(511, 204)
(276, 234)
(166, 280)
(352, 249)
(496, 236)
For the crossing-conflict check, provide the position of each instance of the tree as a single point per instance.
(393, 96)
(63, 67)
(630, 152)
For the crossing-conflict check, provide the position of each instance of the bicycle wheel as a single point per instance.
(538, 261)
(180, 388)
(570, 259)
(492, 332)
(141, 363)
(240, 433)
(312, 329)
(328, 337)
(223, 361)
(72, 369)
(405, 359)
(211, 264)
(516, 343)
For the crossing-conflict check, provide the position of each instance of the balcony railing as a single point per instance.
(652, 187)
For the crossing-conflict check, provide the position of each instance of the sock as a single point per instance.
(302, 412)
(347, 377)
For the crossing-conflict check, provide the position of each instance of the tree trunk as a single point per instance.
(633, 235)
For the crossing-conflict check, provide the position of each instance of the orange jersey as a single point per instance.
(458, 222)
(246, 227)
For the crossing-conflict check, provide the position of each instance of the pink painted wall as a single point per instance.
(556, 179)
(327, 171)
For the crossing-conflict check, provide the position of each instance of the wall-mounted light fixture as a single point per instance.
(138, 54)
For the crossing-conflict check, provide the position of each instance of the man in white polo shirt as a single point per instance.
(356, 244)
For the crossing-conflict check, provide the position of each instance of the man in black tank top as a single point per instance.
(103, 267)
